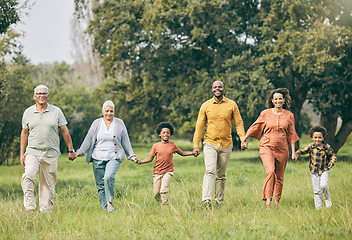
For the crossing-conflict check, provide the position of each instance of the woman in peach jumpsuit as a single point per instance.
(278, 124)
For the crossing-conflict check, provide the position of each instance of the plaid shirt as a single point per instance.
(319, 157)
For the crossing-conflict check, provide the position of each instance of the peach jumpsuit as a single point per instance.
(279, 131)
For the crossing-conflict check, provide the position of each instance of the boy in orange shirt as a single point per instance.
(164, 165)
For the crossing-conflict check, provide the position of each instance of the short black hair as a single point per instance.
(318, 129)
(165, 125)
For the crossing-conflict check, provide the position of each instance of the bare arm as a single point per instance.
(182, 153)
(67, 138)
(294, 156)
(148, 159)
(23, 145)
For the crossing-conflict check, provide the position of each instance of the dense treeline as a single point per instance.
(170, 52)
(160, 58)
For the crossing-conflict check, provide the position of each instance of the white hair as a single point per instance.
(108, 103)
(41, 87)
(223, 85)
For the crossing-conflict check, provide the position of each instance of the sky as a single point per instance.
(47, 31)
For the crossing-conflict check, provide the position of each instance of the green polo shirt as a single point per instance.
(43, 139)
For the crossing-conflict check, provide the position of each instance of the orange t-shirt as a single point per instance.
(164, 158)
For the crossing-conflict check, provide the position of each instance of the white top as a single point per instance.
(105, 148)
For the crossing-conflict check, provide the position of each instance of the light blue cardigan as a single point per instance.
(121, 140)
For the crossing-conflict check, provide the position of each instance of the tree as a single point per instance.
(9, 14)
(167, 50)
(302, 49)
(87, 62)
(17, 88)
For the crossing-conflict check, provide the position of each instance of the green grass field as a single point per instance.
(77, 214)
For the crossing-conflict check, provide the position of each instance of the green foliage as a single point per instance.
(245, 84)
(18, 91)
(8, 14)
(80, 109)
(20, 78)
(77, 213)
(171, 52)
(306, 48)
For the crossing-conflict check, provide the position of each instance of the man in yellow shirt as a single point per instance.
(218, 113)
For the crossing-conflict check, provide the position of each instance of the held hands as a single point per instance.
(244, 145)
(136, 160)
(73, 156)
(294, 157)
(330, 165)
(196, 152)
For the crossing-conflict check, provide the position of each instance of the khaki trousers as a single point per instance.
(47, 168)
(161, 186)
(216, 160)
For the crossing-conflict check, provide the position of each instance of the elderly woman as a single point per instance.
(278, 126)
(106, 144)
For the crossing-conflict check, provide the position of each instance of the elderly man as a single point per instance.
(40, 149)
(218, 113)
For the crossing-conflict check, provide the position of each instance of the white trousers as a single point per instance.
(47, 181)
(320, 188)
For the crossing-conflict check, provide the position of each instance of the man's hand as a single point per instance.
(196, 152)
(23, 159)
(72, 156)
(244, 145)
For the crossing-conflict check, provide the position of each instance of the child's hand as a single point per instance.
(330, 165)
(135, 159)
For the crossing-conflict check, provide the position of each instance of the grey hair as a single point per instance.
(223, 85)
(108, 103)
(41, 87)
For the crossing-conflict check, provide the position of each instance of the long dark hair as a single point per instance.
(285, 93)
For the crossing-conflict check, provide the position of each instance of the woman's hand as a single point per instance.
(244, 145)
(136, 160)
(294, 157)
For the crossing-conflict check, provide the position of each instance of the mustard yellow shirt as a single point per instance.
(219, 122)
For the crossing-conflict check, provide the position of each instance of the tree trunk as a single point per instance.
(329, 121)
(299, 95)
(342, 135)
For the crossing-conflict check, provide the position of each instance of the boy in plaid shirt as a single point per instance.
(322, 158)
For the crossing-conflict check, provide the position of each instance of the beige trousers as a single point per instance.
(161, 186)
(47, 168)
(216, 160)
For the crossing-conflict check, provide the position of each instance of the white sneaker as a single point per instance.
(328, 203)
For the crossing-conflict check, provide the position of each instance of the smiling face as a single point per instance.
(218, 89)
(278, 100)
(41, 96)
(108, 113)
(318, 138)
(165, 134)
